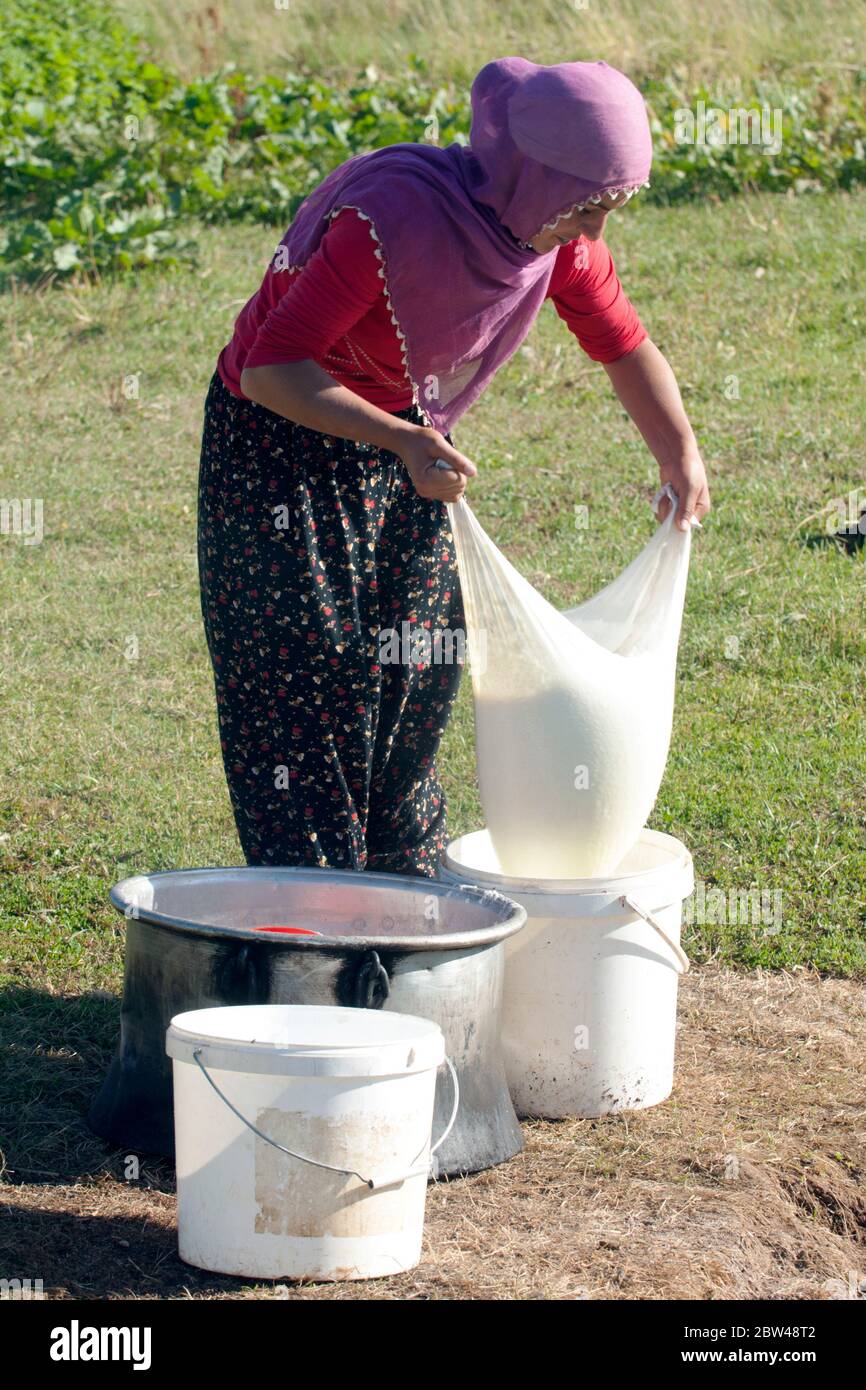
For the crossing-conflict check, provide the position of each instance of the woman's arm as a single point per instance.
(647, 387)
(309, 312)
(304, 392)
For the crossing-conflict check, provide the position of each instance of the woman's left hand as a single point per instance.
(688, 478)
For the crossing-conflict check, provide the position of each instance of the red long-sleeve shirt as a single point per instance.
(334, 311)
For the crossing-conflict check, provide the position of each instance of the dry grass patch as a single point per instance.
(749, 1183)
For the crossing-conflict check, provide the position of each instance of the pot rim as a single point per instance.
(512, 915)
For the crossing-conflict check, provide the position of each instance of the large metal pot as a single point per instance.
(195, 938)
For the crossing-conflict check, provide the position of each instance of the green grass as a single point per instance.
(456, 37)
(110, 765)
(108, 158)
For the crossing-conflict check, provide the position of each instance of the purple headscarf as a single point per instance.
(451, 225)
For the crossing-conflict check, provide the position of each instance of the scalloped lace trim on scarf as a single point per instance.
(611, 192)
(383, 276)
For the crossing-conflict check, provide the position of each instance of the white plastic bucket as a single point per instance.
(349, 1092)
(589, 1013)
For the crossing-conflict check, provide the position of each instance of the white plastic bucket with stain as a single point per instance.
(589, 1009)
(303, 1139)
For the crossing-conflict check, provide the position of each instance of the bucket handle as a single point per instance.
(372, 1183)
(682, 958)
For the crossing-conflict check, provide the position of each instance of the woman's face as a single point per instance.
(588, 222)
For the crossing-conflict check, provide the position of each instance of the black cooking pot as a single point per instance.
(203, 937)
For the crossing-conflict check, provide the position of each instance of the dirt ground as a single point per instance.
(749, 1183)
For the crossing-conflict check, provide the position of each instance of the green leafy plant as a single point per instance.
(108, 158)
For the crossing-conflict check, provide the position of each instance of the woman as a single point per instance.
(406, 279)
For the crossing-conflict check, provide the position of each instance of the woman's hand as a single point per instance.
(305, 393)
(420, 448)
(688, 479)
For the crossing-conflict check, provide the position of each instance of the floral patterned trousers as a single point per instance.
(321, 571)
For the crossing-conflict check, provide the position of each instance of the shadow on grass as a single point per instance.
(54, 1053)
(849, 541)
(115, 1254)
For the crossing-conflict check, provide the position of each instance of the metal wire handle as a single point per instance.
(372, 1183)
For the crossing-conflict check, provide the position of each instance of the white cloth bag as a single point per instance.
(573, 710)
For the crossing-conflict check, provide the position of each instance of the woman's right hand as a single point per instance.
(419, 449)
